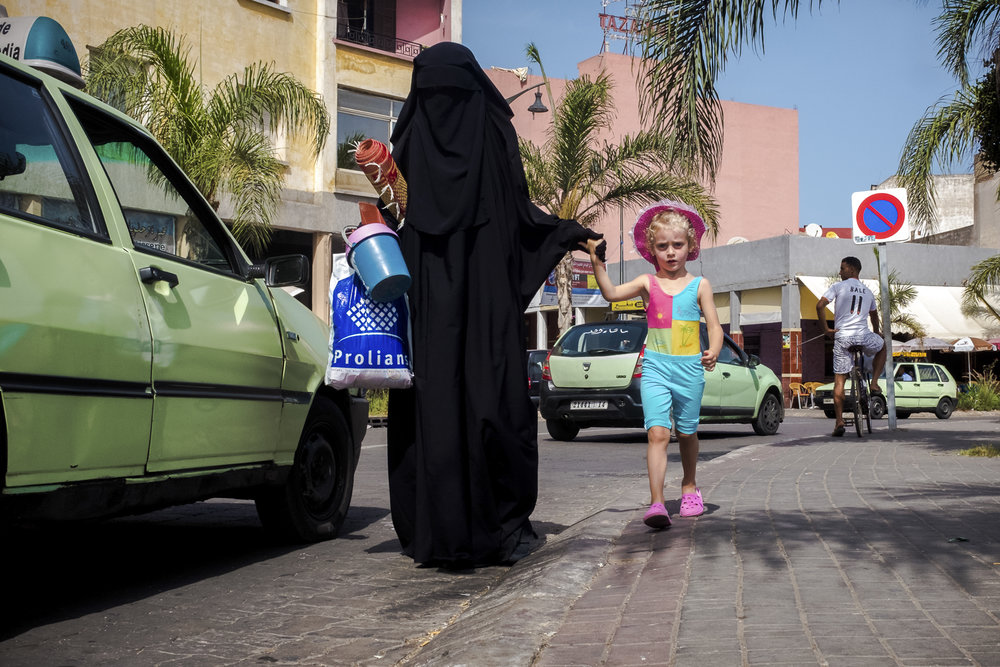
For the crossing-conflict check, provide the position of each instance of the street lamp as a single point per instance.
(536, 106)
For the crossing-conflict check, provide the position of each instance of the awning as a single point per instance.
(938, 309)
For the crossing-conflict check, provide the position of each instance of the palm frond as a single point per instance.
(959, 26)
(253, 176)
(684, 46)
(944, 134)
(260, 92)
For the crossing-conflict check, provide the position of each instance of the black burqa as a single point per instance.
(462, 442)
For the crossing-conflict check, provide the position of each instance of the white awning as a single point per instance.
(938, 309)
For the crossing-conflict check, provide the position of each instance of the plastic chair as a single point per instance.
(812, 387)
(799, 392)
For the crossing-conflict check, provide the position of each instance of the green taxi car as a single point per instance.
(592, 378)
(919, 387)
(144, 360)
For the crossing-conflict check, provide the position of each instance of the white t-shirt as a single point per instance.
(852, 302)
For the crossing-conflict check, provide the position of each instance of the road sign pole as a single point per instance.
(890, 386)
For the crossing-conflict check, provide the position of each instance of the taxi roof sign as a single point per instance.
(42, 43)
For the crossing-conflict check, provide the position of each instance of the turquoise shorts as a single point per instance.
(672, 385)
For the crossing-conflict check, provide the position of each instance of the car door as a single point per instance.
(74, 337)
(907, 386)
(731, 387)
(930, 386)
(217, 355)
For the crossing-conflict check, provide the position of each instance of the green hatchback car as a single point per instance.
(592, 378)
(144, 360)
(919, 387)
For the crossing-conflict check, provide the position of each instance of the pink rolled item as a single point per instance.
(375, 160)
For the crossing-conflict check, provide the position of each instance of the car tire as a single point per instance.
(768, 417)
(877, 407)
(312, 503)
(830, 414)
(902, 414)
(561, 429)
(944, 408)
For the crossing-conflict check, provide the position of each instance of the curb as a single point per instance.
(509, 623)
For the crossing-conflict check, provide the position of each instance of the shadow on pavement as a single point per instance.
(62, 571)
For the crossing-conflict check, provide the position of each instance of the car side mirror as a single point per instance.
(12, 164)
(282, 271)
(754, 361)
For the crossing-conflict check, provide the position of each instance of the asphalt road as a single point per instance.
(200, 584)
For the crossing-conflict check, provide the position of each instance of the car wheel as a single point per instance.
(830, 414)
(877, 407)
(768, 416)
(313, 502)
(944, 409)
(561, 429)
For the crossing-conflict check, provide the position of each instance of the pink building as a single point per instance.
(757, 186)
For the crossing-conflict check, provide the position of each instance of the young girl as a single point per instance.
(668, 234)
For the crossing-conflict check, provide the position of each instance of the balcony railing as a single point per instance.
(400, 47)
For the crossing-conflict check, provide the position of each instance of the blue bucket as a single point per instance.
(374, 253)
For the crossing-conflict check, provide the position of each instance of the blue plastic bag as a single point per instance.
(369, 340)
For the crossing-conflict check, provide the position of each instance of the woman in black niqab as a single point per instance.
(462, 442)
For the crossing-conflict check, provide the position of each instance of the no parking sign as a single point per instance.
(880, 216)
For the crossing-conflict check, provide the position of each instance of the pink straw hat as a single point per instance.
(646, 216)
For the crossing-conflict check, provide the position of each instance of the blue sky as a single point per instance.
(860, 73)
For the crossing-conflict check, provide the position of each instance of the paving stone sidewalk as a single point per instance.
(880, 551)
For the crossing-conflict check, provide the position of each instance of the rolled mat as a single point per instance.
(375, 160)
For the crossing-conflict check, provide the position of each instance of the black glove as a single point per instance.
(601, 251)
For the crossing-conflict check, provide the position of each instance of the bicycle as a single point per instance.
(860, 378)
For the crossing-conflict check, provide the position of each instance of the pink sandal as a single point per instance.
(692, 504)
(657, 516)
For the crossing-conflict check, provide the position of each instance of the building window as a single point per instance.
(362, 116)
(372, 23)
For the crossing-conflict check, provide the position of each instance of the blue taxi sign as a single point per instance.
(42, 43)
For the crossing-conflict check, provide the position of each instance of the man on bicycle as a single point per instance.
(852, 301)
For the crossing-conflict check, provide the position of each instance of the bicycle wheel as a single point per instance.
(856, 398)
(866, 405)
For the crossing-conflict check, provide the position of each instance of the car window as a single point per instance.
(729, 354)
(39, 178)
(602, 338)
(942, 374)
(927, 373)
(162, 213)
(905, 373)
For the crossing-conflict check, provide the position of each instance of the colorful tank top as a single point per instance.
(674, 321)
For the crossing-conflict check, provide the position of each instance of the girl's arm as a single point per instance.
(609, 291)
(707, 304)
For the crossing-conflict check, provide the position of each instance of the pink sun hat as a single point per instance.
(646, 216)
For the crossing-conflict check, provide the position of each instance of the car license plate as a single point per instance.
(827, 401)
(588, 405)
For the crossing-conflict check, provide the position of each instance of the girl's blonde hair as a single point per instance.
(671, 220)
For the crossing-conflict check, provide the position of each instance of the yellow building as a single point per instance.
(358, 54)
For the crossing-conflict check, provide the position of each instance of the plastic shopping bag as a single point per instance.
(369, 340)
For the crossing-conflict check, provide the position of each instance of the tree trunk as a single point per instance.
(564, 292)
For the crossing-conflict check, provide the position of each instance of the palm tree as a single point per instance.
(574, 176)
(949, 130)
(220, 138)
(684, 47)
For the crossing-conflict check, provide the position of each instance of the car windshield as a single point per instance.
(601, 339)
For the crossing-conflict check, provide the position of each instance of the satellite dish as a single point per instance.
(737, 239)
(814, 230)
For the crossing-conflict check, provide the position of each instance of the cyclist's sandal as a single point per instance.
(692, 504)
(656, 516)
(838, 432)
